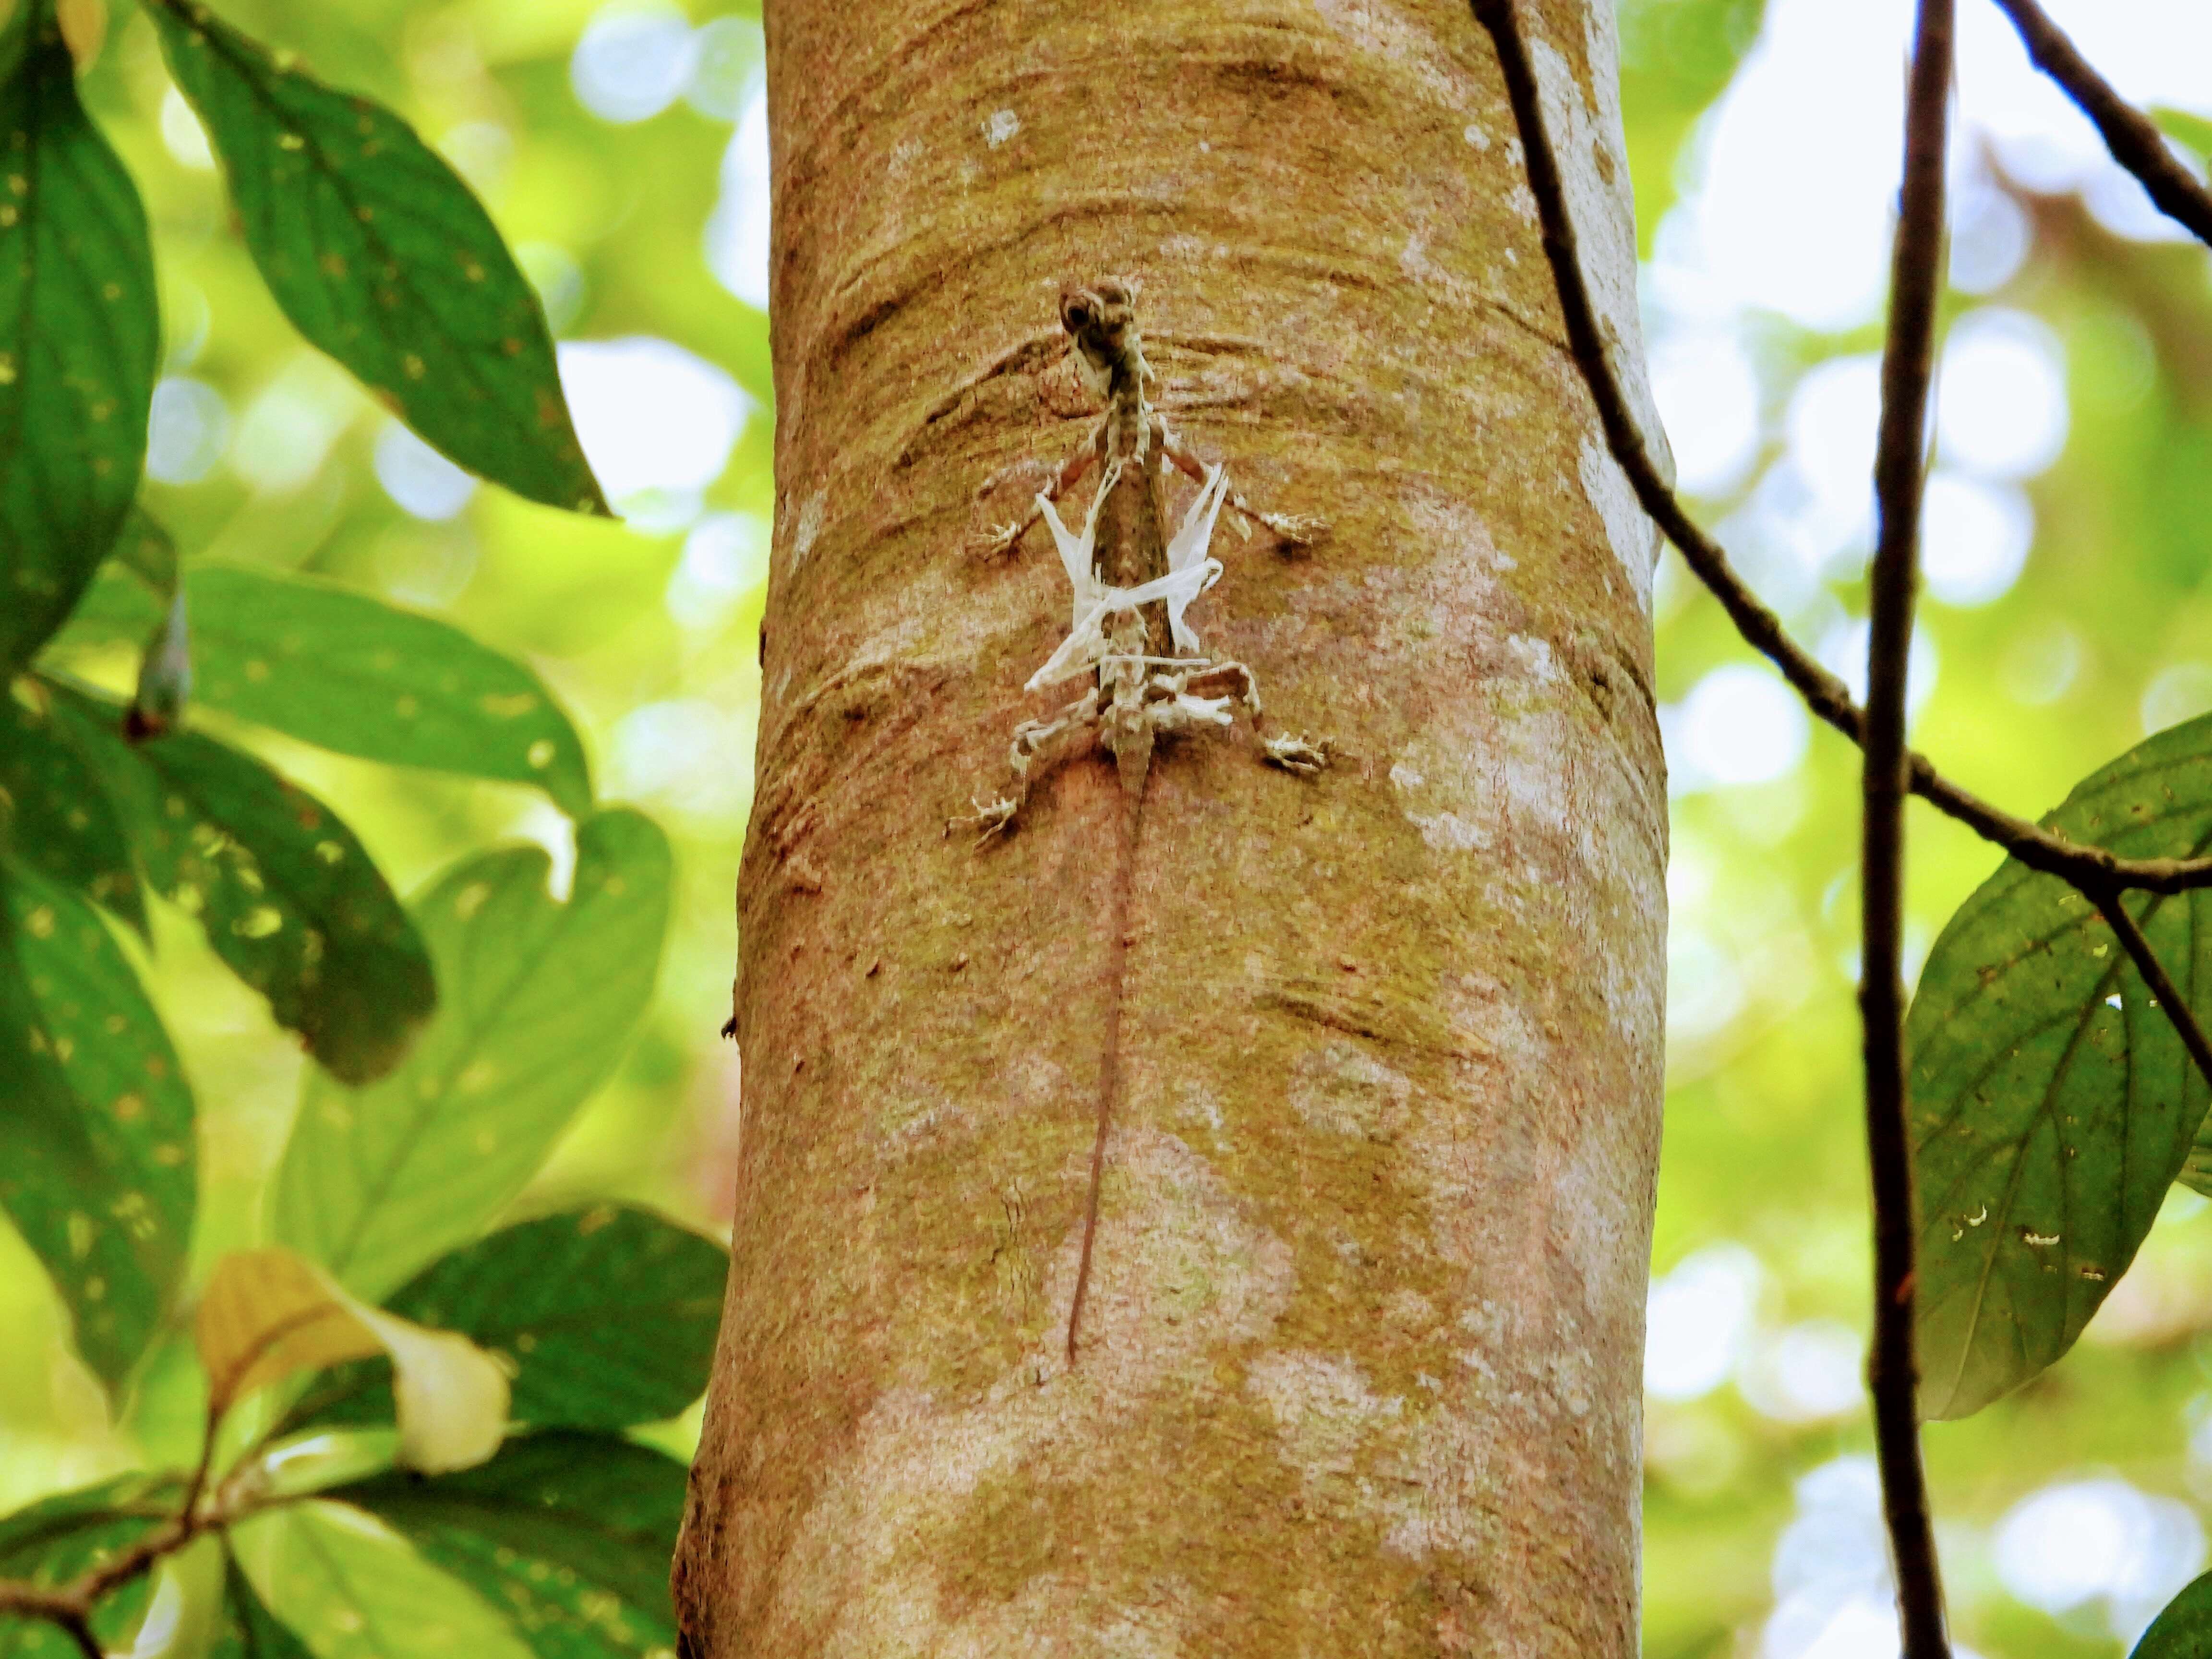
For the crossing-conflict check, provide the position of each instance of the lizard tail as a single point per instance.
(1110, 1064)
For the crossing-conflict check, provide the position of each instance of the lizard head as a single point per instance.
(1101, 318)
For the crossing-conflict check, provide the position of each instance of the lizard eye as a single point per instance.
(1113, 294)
(1075, 315)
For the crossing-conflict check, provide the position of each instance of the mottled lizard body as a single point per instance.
(1133, 583)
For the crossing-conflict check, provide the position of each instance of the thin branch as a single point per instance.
(58, 1608)
(197, 1487)
(2133, 139)
(1908, 368)
(2040, 849)
(80, 1631)
(29, 1601)
(70, 1606)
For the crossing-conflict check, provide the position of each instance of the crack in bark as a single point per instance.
(1376, 1016)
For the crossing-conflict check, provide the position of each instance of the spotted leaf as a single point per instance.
(79, 335)
(381, 256)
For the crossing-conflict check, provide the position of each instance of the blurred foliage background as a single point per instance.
(623, 149)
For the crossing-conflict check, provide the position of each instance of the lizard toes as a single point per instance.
(1294, 755)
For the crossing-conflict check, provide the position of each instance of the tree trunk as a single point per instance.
(1361, 1364)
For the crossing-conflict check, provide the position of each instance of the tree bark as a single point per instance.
(1361, 1368)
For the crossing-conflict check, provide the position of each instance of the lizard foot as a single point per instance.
(1295, 529)
(992, 819)
(995, 541)
(1294, 755)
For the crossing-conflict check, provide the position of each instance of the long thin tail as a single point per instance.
(1110, 1064)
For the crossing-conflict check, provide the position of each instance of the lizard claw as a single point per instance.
(995, 541)
(1294, 755)
(993, 819)
(1295, 529)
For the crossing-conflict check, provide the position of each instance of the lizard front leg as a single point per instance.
(1291, 529)
(998, 540)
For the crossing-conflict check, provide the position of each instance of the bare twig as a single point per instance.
(34, 1601)
(2133, 139)
(1900, 466)
(2085, 867)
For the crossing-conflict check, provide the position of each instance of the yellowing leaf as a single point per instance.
(270, 1314)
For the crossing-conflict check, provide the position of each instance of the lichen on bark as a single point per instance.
(1361, 1363)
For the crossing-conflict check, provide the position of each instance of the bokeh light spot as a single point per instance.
(1740, 724)
(2180, 692)
(738, 230)
(1698, 1316)
(652, 416)
(1974, 539)
(186, 432)
(1708, 397)
(2001, 400)
(632, 62)
(420, 480)
(183, 136)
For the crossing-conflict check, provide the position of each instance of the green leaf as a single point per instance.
(349, 673)
(562, 1300)
(2052, 1103)
(379, 255)
(146, 550)
(290, 901)
(53, 1541)
(572, 1533)
(55, 814)
(2183, 1631)
(350, 1589)
(79, 338)
(129, 594)
(249, 1630)
(540, 998)
(96, 1148)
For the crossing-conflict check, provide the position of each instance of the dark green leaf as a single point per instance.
(93, 723)
(571, 1533)
(79, 336)
(2052, 1105)
(2183, 1631)
(248, 1630)
(380, 256)
(352, 673)
(53, 1541)
(289, 898)
(540, 998)
(129, 594)
(55, 814)
(96, 1149)
(569, 1301)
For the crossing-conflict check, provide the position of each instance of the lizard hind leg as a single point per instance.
(1293, 754)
